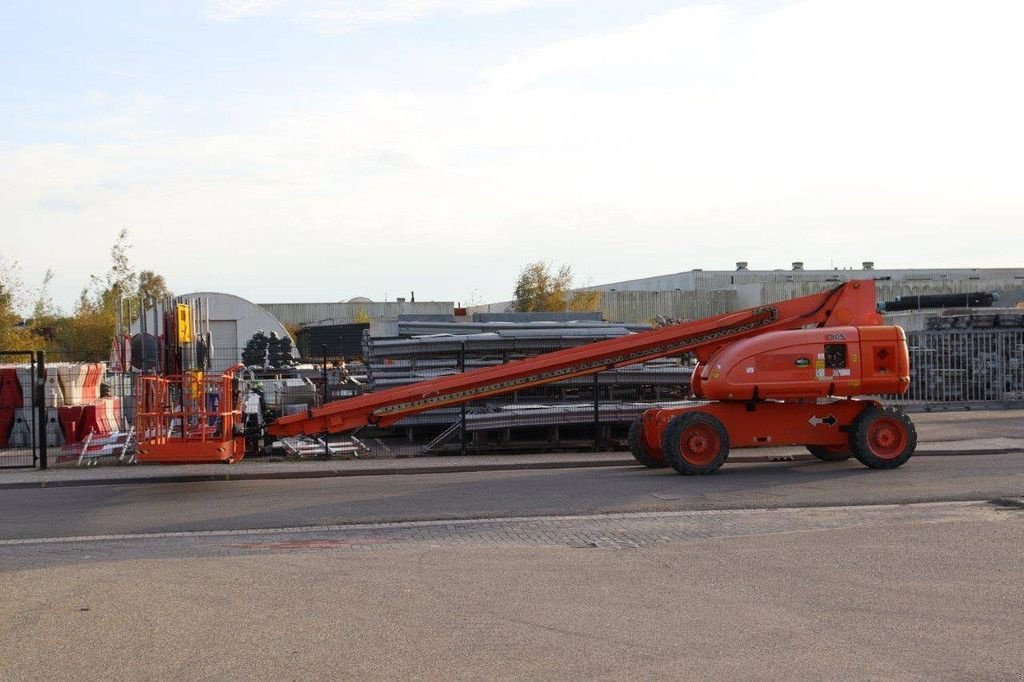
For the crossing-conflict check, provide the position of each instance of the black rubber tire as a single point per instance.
(638, 448)
(670, 440)
(823, 453)
(861, 441)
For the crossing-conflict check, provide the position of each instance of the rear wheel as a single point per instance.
(831, 453)
(695, 443)
(883, 438)
(638, 447)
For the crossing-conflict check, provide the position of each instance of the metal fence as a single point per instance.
(957, 369)
(21, 408)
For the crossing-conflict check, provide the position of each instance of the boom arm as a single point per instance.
(850, 303)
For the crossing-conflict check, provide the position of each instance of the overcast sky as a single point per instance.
(307, 150)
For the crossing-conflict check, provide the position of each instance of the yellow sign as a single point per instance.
(184, 323)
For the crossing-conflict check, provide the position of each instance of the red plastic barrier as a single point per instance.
(104, 415)
(6, 422)
(90, 422)
(10, 389)
(91, 390)
(70, 418)
(115, 414)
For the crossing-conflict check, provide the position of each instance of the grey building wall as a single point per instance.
(342, 313)
(723, 279)
(642, 306)
(697, 294)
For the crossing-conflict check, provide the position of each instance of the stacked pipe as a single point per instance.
(425, 350)
(452, 347)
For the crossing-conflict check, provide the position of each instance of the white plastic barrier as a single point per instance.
(25, 379)
(54, 436)
(21, 432)
(73, 376)
(53, 394)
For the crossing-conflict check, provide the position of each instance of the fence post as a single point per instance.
(462, 408)
(597, 414)
(323, 401)
(40, 406)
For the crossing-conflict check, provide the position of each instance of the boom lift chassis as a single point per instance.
(788, 373)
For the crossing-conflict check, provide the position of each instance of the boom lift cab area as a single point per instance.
(787, 373)
(789, 388)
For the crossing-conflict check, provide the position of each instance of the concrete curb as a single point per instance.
(439, 469)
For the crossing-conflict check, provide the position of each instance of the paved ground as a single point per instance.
(939, 433)
(107, 509)
(782, 570)
(913, 591)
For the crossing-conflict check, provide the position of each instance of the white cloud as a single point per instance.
(341, 16)
(672, 37)
(229, 10)
(820, 131)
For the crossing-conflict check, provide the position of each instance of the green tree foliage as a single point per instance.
(87, 333)
(152, 287)
(13, 334)
(540, 288)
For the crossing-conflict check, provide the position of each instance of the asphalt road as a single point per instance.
(759, 571)
(929, 591)
(119, 509)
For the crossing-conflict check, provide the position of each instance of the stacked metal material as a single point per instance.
(555, 415)
(968, 358)
(1003, 319)
(447, 348)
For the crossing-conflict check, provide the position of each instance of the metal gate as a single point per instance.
(22, 415)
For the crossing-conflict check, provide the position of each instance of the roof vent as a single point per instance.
(868, 265)
(741, 265)
(798, 265)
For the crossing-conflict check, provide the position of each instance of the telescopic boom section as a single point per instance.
(850, 303)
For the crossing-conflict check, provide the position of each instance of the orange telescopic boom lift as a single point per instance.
(787, 373)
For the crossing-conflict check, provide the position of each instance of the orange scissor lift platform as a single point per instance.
(188, 418)
(787, 373)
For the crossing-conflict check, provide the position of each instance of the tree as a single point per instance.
(542, 289)
(152, 287)
(87, 334)
(14, 334)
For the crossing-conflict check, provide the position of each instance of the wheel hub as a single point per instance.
(699, 445)
(887, 437)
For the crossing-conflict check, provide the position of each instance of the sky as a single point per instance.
(308, 150)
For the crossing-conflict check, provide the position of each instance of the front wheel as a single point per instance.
(639, 449)
(830, 453)
(695, 443)
(883, 438)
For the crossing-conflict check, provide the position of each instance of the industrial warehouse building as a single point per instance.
(692, 294)
(232, 320)
(700, 293)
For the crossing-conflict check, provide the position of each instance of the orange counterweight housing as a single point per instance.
(809, 363)
(188, 418)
